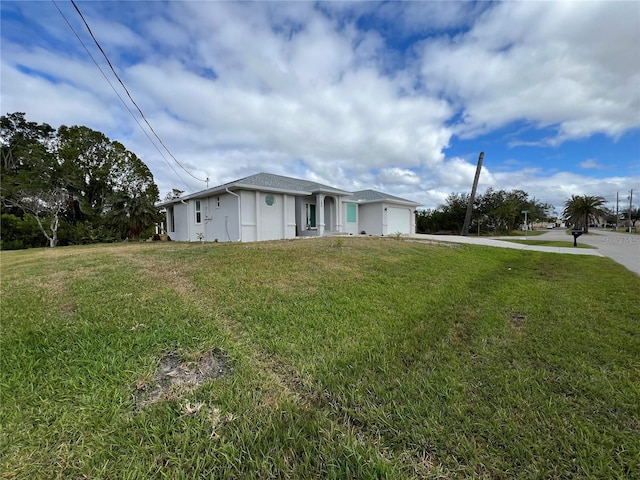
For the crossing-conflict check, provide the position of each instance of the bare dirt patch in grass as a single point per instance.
(176, 376)
(517, 319)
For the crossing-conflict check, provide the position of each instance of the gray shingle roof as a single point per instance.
(369, 196)
(268, 182)
(279, 182)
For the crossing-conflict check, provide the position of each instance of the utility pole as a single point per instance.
(630, 203)
(472, 198)
(617, 205)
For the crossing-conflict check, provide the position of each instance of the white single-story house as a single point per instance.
(273, 207)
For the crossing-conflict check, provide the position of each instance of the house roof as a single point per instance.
(372, 196)
(265, 182)
(294, 186)
(282, 183)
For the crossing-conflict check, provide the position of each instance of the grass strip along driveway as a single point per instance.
(325, 358)
(548, 243)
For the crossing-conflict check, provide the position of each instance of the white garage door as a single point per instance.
(398, 220)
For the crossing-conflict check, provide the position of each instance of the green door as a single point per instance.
(311, 218)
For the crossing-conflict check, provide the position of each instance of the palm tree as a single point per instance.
(132, 216)
(579, 211)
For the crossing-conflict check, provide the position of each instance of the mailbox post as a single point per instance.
(576, 234)
(526, 225)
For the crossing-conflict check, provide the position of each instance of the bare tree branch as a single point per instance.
(44, 205)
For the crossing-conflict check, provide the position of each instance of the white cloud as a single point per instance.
(313, 92)
(414, 18)
(558, 187)
(56, 103)
(575, 65)
(396, 175)
(590, 163)
(236, 88)
(459, 174)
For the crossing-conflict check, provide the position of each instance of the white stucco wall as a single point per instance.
(261, 221)
(350, 227)
(249, 218)
(179, 231)
(371, 218)
(220, 217)
(340, 218)
(271, 217)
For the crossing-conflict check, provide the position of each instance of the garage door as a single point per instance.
(398, 220)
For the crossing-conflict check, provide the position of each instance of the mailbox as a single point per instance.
(576, 234)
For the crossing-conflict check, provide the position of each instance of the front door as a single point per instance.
(311, 215)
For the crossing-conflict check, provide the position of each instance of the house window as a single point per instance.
(351, 212)
(218, 202)
(198, 212)
(172, 219)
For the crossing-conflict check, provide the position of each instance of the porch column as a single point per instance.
(285, 218)
(339, 214)
(258, 216)
(320, 214)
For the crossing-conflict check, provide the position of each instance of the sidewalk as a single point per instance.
(496, 242)
(623, 248)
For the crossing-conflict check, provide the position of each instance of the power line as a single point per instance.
(119, 96)
(129, 94)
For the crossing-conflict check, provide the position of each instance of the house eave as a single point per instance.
(242, 186)
(389, 201)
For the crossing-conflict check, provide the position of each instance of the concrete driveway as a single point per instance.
(624, 248)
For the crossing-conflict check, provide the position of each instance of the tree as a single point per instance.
(453, 212)
(580, 211)
(498, 209)
(540, 212)
(108, 189)
(173, 194)
(86, 158)
(46, 206)
(503, 209)
(448, 217)
(102, 173)
(28, 155)
(495, 210)
(30, 178)
(131, 203)
(132, 216)
(635, 216)
(18, 232)
(423, 220)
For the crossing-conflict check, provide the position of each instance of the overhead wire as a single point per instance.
(119, 96)
(129, 94)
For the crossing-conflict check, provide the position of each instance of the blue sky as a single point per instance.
(396, 96)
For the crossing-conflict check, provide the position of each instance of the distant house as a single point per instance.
(272, 207)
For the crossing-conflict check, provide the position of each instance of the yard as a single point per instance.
(321, 358)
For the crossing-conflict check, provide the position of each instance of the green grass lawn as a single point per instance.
(530, 233)
(358, 358)
(512, 233)
(550, 243)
